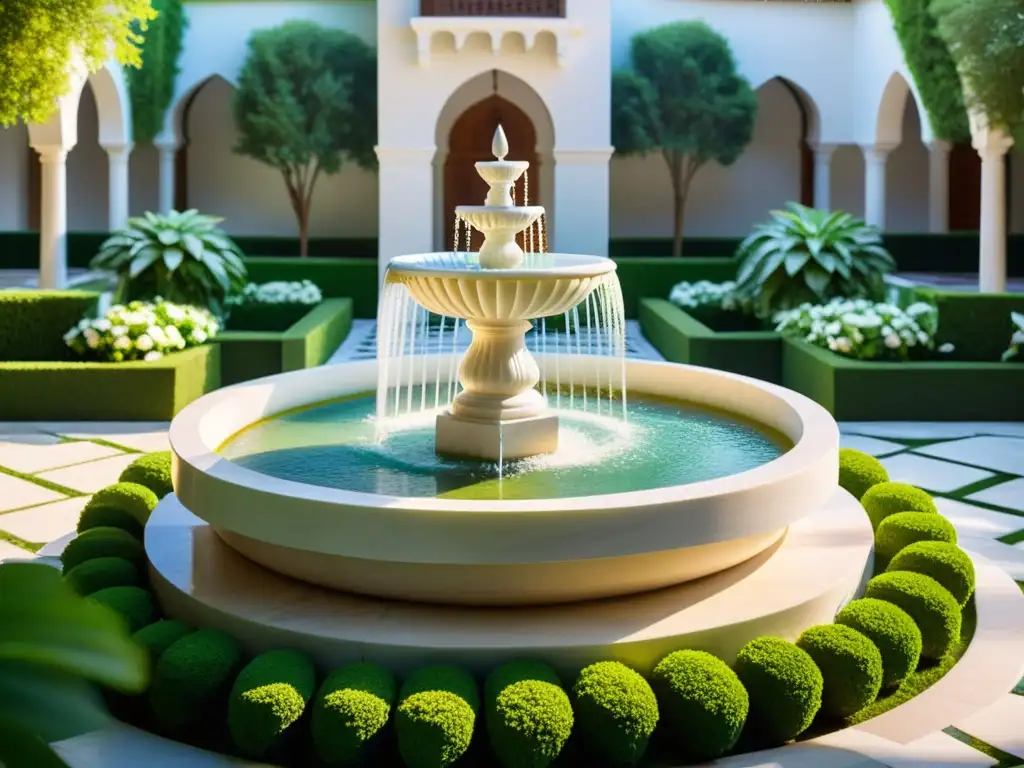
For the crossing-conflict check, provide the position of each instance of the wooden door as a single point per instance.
(470, 143)
(964, 189)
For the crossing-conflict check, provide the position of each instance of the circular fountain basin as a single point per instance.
(455, 285)
(486, 552)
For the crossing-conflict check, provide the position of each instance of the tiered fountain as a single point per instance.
(479, 525)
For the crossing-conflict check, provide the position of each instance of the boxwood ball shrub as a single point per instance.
(192, 678)
(161, 635)
(850, 664)
(269, 696)
(903, 529)
(886, 499)
(702, 702)
(528, 714)
(351, 711)
(616, 712)
(102, 542)
(133, 604)
(931, 606)
(436, 715)
(102, 572)
(152, 471)
(892, 631)
(122, 505)
(946, 563)
(784, 685)
(858, 472)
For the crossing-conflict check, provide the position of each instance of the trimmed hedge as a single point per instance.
(858, 472)
(268, 697)
(124, 505)
(931, 606)
(247, 355)
(337, 278)
(785, 688)
(682, 338)
(135, 391)
(529, 716)
(101, 573)
(102, 542)
(641, 276)
(901, 530)
(702, 702)
(351, 712)
(133, 604)
(978, 325)
(153, 471)
(616, 712)
(436, 716)
(892, 631)
(850, 665)
(157, 637)
(33, 323)
(885, 499)
(946, 563)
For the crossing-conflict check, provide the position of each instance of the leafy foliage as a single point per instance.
(42, 41)
(52, 644)
(932, 67)
(1017, 338)
(182, 257)
(151, 86)
(306, 102)
(986, 39)
(803, 255)
(682, 97)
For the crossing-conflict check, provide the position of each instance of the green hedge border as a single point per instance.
(336, 278)
(136, 391)
(681, 338)
(247, 355)
(855, 390)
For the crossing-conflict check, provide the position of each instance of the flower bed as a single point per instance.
(682, 338)
(308, 342)
(206, 690)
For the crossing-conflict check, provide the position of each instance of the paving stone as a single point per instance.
(144, 441)
(29, 438)
(970, 520)
(937, 750)
(916, 430)
(30, 459)
(1009, 495)
(9, 551)
(16, 493)
(932, 474)
(91, 476)
(1007, 557)
(1003, 454)
(44, 524)
(999, 725)
(869, 445)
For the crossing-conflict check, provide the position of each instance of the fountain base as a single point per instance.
(496, 441)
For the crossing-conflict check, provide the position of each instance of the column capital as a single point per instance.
(51, 153)
(166, 144)
(992, 142)
(877, 152)
(824, 150)
(118, 150)
(583, 155)
(405, 155)
(940, 146)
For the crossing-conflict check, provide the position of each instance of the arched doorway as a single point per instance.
(470, 142)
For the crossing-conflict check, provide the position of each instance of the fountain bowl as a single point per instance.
(454, 285)
(527, 552)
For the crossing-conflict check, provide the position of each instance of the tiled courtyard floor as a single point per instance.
(976, 472)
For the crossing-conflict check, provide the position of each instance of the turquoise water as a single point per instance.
(663, 443)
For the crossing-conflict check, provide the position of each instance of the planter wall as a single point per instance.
(138, 391)
(337, 278)
(247, 355)
(854, 390)
(681, 338)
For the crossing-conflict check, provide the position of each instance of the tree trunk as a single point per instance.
(675, 169)
(680, 221)
(303, 214)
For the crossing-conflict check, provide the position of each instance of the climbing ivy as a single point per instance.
(932, 68)
(152, 86)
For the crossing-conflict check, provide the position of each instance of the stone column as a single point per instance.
(823, 176)
(168, 153)
(938, 186)
(580, 221)
(875, 157)
(992, 145)
(117, 159)
(53, 226)
(406, 200)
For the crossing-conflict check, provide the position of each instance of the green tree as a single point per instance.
(682, 97)
(986, 38)
(151, 86)
(306, 102)
(39, 40)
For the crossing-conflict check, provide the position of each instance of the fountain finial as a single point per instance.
(499, 146)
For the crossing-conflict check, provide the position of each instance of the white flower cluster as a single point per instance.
(862, 329)
(141, 330)
(1017, 339)
(705, 293)
(282, 292)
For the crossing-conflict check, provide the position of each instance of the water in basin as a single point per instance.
(663, 443)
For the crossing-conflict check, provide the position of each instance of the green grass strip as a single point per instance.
(1006, 760)
(57, 488)
(10, 538)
